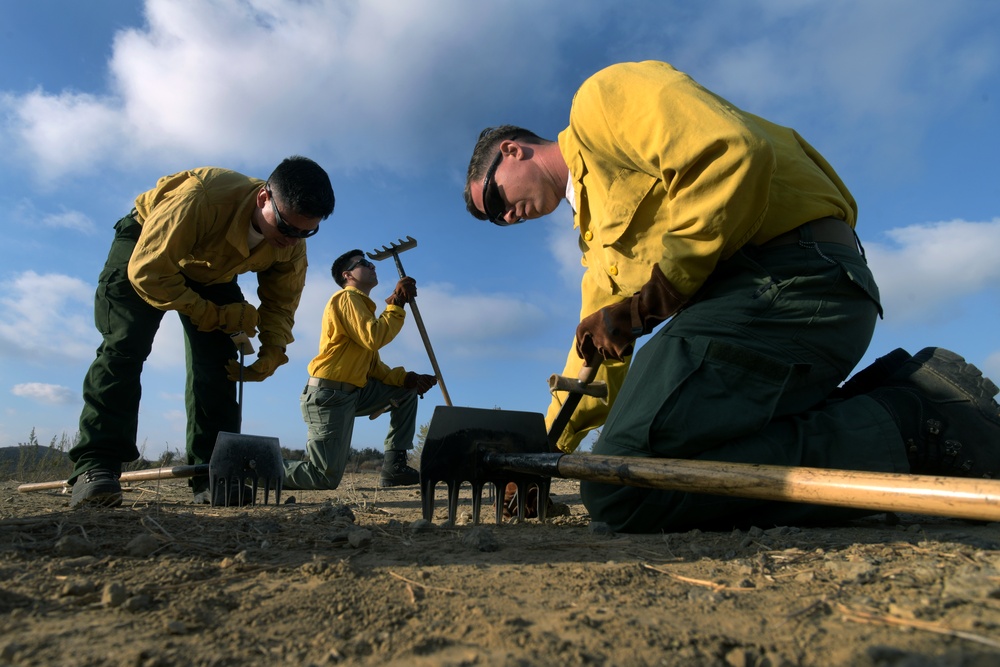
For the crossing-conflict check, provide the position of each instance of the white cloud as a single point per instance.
(73, 220)
(926, 267)
(45, 317)
(52, 394)
(564, 244)
(64, 133)
(27, 214)
(254, 80)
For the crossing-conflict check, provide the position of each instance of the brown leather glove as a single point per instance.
(422, 383)
(406, 290)
(612, 330)
(268, 360)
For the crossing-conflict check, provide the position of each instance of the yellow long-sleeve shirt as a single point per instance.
(665, 172)
(351, 337)
(195, 223)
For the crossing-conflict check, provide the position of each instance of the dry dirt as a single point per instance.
(353, 577)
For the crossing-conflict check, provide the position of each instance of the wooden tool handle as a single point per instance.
(171, 472)
(586, 376)
(977, 499)
(573, 385)
(955, 497)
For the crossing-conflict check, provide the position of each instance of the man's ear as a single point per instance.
(261, 197)
(519, 151)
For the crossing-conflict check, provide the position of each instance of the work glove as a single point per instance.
(612, 330)
(231, 318)
(406, 291)
(268, 360)
(530, 502)
(422, 383)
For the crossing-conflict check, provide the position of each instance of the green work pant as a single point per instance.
(329, 415)
(744, 374)
(112, 388)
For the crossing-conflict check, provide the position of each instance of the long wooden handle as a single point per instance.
(423, 333)
(956, 497)
(171, 472)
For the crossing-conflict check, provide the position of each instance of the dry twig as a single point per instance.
(423, 586)
(697, 582)
(859, 616)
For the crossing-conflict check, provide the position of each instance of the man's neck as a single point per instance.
(554, 165)
(366, 291)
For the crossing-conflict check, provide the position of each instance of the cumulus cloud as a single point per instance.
(246, 80)
(923, 268)
(52, 394)
(45, 317)
(27, 214)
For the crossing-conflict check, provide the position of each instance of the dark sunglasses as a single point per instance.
(360, 262)
(493, 204)
(283, 227)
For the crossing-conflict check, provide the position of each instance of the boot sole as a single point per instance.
(953, 378)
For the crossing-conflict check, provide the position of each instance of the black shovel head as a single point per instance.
(458, 439)
(239, 460)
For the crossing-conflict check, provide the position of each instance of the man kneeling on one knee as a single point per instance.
(347, 379)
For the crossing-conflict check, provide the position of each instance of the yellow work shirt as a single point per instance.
(195, 224)
(351, 337)
(666, 172)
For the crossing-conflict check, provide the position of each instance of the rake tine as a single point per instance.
(427, 497)
(543, 498)
(453, 489)
(477, 502)
(499, 503)
(522, 500)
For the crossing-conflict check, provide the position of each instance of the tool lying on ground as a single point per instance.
(167, 472)
(236, 461)
(499, 447)
(481, 446)
(393, 250)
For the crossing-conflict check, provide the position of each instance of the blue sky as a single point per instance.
(100, 98)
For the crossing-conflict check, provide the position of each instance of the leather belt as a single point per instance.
(824, 230)
(331, 384)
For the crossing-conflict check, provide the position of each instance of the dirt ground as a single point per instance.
(355, 577)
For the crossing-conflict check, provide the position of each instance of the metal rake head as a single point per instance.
(455, 450)
(393, 249)
(239, 460)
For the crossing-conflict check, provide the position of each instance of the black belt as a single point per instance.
(331, 384)
(824, 230)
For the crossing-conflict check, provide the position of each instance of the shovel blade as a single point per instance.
(239, 460)
(454, 449)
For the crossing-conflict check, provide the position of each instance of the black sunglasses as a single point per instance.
(360, 262)
(285, 228)
(493, 204)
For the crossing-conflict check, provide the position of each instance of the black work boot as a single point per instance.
(874, 376)
(98, 487)
(395, 472)
(946, 413)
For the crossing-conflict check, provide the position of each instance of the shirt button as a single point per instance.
(588, 235)
(613, 270)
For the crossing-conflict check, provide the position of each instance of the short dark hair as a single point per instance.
(304, 187)
(484, 152)
(341, 263)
